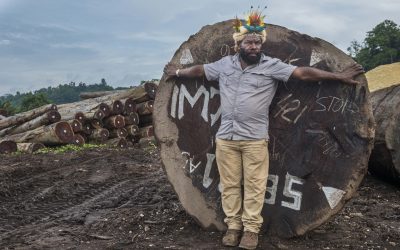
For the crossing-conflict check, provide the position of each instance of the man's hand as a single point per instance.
(348, 75)
(170, 70)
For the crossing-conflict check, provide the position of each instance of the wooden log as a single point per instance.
(76, 125)
(145, 108)
(50, 135)
(116, 121)
(7, 147)
(118, 133)
(385, 157)
(80, 117)
(117, 107)
(129, 106)
(131, 119)
(25, 116)
(133, 130)
(90, 109)
(99, 135)
(117, 142)
(96, 124)
(47, 118)
(78, 140)
(29, 147)
(142, 93)
(87, 128)
(320, 133)
(146, 120)
(146, 131)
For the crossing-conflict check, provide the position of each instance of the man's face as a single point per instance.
(250, 49)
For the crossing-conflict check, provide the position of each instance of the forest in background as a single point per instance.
(380, 46)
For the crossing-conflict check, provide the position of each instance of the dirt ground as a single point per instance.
(109, 199)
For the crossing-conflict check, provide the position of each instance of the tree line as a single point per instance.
(381, 46)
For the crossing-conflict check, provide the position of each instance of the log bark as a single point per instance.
(90, 109)
(116, 121)
(131, 119)
(117, 142)
(29, 147)
(141, 93)
(320, 133)
(26, 116)
(7, 147)
(51, 116)
(51, 135)
(145, 108)
(146, 131)
(118, 133)
(99, 135)
(385, 157)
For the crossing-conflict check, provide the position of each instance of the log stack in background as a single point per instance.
(320, 133)
(110, 117)
(385, 157)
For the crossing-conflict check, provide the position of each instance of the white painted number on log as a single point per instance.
(186, 57)
(288, 191)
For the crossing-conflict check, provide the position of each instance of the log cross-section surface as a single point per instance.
(320, 133)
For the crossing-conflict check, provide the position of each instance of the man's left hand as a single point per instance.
(348, 75)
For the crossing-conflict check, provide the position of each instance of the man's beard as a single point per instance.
(250, 60)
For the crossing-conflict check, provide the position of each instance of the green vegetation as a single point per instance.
(68, 148)
(381, 46)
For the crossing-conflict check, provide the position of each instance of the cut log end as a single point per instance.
(53, 116)
(64, 132)
(99, 115)
(117, 121)
(76, 126)
(151, 89)
(105, 108)
(78, 140)
(80, 117)
(117, 107)
(129, 106)
(7, 147)
(132, 119)
(133, 130)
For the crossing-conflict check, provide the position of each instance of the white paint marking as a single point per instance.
(186, 57)
(333, 195)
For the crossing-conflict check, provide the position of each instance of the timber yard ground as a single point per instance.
(109, 199)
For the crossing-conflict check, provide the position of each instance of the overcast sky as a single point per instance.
(49, 42)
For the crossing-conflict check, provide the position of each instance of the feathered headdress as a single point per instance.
(254, 23)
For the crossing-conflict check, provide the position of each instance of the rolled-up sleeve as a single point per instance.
(213, 70)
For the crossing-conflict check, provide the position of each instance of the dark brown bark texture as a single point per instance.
(320, 133)
(385, 157)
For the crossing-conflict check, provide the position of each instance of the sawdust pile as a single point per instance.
(383, 76)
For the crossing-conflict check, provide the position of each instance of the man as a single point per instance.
(248, 81)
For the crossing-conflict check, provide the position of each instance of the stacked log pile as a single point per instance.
(110, 117)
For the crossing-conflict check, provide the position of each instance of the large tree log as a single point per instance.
(51, 116)
(118, 133)
(145, 108)
(129, 106)
(90, 109)
(76, 126)
(385, 157)
(131, 119)
(320, 133)
(141, 93)
(29, 147)
(78, 140)
(117, 107)
(133, 130)
(7, 147)
(25, 116)
(116, 121)
(99, 135)
(54, 134)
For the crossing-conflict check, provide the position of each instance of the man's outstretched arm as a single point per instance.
(195, 71)
(313, 74)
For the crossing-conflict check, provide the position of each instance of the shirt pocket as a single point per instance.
(227, 78)
(259, 78)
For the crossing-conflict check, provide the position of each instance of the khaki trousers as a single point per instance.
(247, 160)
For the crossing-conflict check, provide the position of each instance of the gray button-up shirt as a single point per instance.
(246, 94)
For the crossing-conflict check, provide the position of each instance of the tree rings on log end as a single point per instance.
(145, 108)
(76, 125)
(7, 147)
(320, 133)
(78, 140)
(64, 132)
(132, 119)
(117, 107)
(106, 110)
(151, 89)
(53, 116)
(80, 117)
(129, 106)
